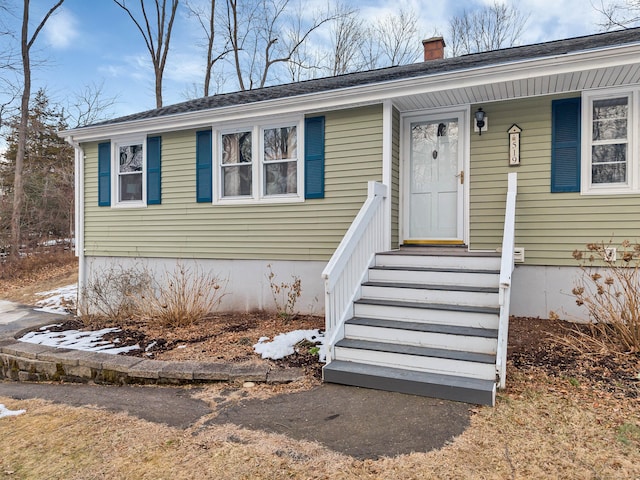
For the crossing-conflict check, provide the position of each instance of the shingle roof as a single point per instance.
(447, 65)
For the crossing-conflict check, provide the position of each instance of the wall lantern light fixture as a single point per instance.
(480, 116)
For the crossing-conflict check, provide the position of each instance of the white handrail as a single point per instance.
(506, 269)
(349, 264)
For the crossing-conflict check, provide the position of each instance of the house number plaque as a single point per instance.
(514, 144)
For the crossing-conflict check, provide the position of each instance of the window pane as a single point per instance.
(610, 130)
(130, 158)
(609, 153)
(280, 143)
(131, 187)
(610, 119)
(281, 178)
(236, 181)
(610, 108)
(609, 173)
(236, 148)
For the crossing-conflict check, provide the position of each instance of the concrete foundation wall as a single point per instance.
(245, 282)
(539, 290)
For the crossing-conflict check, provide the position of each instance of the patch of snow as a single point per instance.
(90, 341)
(283, 344)
(58, 300)
(150, 346)
(5, 412)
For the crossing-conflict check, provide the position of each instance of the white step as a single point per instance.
(467, 277)
(423, 335)
(436, 314)
(473, 262)
(418, 359)
(476, 296)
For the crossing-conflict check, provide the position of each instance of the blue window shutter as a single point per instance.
(565, 145)
(314, 157)
(104, 174)
(154, 176)
(203, 166)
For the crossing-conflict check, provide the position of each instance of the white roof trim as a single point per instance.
(370, 93)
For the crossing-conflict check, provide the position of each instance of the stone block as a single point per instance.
(146, 369)
(248, 372)
(52, 354)
(178, 370)
(209, 371)
(285, 375)
(25, 350)
(78, 371)
(118, 363)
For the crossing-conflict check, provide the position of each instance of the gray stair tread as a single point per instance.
(417, 351)
(424, 327)
(440, 287)
(450, 387)
(434, 269)
(430, 306)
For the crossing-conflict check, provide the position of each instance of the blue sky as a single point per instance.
(93, 41)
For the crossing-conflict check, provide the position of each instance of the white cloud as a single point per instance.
(61, 29)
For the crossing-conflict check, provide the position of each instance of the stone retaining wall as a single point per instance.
(21, 361)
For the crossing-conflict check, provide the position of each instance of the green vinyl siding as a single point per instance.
(183, 228)
(550, 226)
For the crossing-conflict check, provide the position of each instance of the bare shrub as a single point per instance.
(285, 295)
(114, 293)
(610, 291)
(183, 297)
(179, 298)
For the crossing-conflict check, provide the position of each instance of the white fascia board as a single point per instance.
(370, 93)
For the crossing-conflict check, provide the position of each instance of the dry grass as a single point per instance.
(21, 280)
(541, 428)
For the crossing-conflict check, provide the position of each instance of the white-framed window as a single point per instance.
(610, 142)
(129, 166)
(280, 160)
(259, 163)
(236, 164)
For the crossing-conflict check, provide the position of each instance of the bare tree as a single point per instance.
(89, 105)
(157, 37)
(619, 14)
(9, 67)
(260, 36)
(396, 36)
(348, 40)
(206, 16)
(26, 42)
(488, 28)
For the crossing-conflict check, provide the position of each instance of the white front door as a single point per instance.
(434, 179)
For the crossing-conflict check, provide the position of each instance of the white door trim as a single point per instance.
(463, 115)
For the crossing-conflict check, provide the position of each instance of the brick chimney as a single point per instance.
(433, 48)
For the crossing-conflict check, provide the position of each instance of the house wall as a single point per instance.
(237, 242)
(182, 228)
(550, 226)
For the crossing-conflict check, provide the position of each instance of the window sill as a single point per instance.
(623, 190)
(262, 201)
(131, 204)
